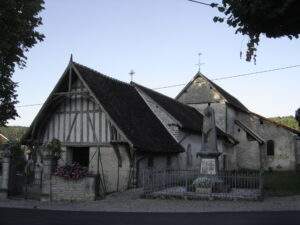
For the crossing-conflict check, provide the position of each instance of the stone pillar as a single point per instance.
(46, 177)
(5, 173)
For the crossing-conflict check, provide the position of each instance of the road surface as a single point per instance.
(10, 216)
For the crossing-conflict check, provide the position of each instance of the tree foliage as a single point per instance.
(289, 121)
(13, 133)
(274, 19)
(18, 22)
(297, 116)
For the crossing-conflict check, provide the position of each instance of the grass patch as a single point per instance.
(282, 183)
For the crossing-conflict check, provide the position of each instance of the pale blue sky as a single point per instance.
(159, 40)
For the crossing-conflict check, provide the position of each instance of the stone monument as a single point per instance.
(209, 151)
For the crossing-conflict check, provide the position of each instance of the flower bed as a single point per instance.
(71, 172)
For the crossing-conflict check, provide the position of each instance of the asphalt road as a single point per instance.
(48, 217)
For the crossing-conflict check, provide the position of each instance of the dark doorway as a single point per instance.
(81, 155)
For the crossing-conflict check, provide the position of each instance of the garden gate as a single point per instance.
(25, 180)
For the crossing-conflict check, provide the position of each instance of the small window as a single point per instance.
(261, 121)
(270, 148)
(250, 138)
(80, 155)
(150, 161)
(189, 157)
(169, 161)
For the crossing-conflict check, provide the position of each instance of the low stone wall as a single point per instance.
(73, 190)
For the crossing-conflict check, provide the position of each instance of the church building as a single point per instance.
(262, 143)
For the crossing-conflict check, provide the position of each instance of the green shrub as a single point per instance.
(280, 183)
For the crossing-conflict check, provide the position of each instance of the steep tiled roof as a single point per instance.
(188, 116)
(129, 111)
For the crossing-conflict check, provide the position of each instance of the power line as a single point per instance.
(234, 76)
(215, 79)
(199, 2)
(253, 73)
(19, 106)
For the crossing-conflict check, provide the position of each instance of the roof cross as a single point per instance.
(131, 74)
(199, 64)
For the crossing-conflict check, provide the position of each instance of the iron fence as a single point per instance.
(194, 184)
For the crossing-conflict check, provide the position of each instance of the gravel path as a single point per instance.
(129, 201)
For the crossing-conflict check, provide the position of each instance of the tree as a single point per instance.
(18, 22)
(289, 121)
(297, 116)
(13, 133)
(274, 19)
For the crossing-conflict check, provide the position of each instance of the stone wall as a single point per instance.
(247, 152)
(79, 190)
(200, 91)
(284, 142)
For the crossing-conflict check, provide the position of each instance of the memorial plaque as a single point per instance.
(208, 166)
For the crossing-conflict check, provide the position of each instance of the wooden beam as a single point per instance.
(70, 79)
(72, 93)
(81, 116)
(99, 105)
(71, 128)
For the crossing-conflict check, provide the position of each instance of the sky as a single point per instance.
(160, 41)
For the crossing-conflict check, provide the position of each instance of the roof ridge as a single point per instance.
(276, 123)
(216, 86)
(101, 74)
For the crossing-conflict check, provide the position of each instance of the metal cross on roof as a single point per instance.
(131, 74)
(199, 64)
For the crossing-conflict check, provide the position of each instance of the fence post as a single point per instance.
(46, 177)
(261, 184)
(5, 172)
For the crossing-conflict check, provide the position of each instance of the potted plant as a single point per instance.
(54, 149)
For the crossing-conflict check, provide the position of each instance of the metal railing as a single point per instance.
(194, 184)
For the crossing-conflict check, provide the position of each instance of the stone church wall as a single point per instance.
(284, 142)
(247, 152)
(200, 91)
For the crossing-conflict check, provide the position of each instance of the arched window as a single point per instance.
(270, 148)
(189, 157)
